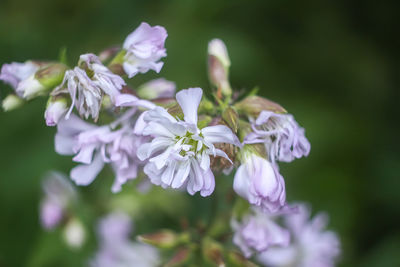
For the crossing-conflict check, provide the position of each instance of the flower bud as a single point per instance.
(238, 260)
(253, 105)
(231, 117)
(56, 108)
(74, 234)
(43, 80)
(218, 66)
(12, 102)
(164, 239)
(213, 252)
(158, 88)
(181, 257)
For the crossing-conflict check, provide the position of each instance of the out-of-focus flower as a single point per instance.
(87, 84)
(257, 232)
(284, 139)
(144, 48)
(158, 88)
(11, 102)
(16, 72)
(58, 194)
(56, 109)
(116, 250)
(94, 146)
(259, 181)
(311, 244)
(179, 153)
(74, 234)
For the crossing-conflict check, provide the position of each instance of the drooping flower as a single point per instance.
(257, 232)
(311, 244)
(179, 153)
(116, 249)
(260, 182)
(144, 48)
(58, 194)
(284, 139)
(87, 84)
(94, 146)
(56, 109)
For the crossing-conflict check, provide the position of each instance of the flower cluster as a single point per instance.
(180, 141)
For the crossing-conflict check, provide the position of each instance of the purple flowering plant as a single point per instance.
(161, 144)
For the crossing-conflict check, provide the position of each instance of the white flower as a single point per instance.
(179, 153)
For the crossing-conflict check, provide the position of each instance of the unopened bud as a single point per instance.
(51, 75)
(238, 260)
(12, 102)
(43, 80)
(56, 108)
(74, 234)
(217, 48)
(231, 117)
(213, 252)
(181, 257)
(158, 88)
(164, 239)
(218, 66)
(253, 105)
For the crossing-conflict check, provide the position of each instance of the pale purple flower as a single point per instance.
(58, 194)
(94, 146)
(16, 72)
(21, 76)
(51, 213)
(158, 88)
(259, 181)
(87, 84)
(117, 250)
(55, 110)
(284, 139)
(311, 244)
(179, 152)
(257, 232)
(144, 48)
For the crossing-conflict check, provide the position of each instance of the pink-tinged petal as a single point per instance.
(85, 174)
(189, 100)
(51, 213)
(220, 134)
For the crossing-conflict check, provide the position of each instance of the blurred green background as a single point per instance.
(333, 64)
